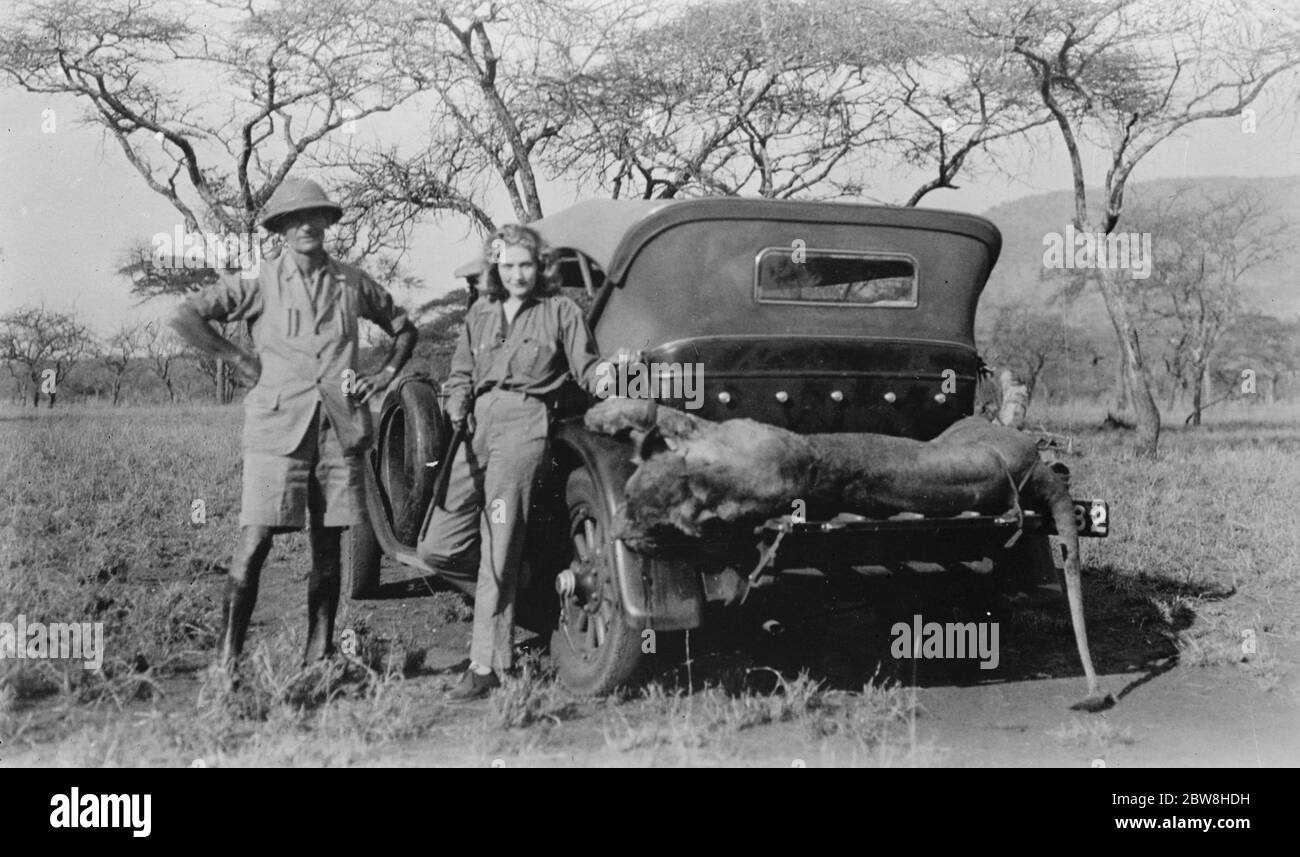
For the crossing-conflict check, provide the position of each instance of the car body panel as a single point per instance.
(689, 283)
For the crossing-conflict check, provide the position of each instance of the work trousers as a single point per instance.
(488, 496)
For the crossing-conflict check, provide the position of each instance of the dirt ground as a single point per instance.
(1015, 715)
(1168, 596)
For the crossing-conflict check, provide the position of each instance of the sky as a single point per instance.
(70, 201)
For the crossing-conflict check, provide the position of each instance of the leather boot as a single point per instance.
(236, 613)
(322, 594)
(322, 605)
(241, 593)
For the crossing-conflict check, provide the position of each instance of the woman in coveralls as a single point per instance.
(516, 350)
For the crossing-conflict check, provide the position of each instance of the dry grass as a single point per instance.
(1095, 733)
(708, 727)
(95, 526)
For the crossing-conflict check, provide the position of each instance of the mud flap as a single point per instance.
(664, 594)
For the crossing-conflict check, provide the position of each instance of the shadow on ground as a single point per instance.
(841, 632)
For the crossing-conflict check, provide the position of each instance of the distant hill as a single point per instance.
(1274, 289)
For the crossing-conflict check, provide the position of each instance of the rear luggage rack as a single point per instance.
(1091, 516)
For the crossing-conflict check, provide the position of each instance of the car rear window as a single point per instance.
(573, 283)
(845, 277)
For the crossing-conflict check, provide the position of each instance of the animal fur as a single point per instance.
(694, 472)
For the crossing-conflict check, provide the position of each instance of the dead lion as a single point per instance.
(694, 471)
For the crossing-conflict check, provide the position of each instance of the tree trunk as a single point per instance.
(1207, 383)
(1137, 384)
(1123, 401)
(1199, 396)
(225, 384)
(1175, 387)
(1015, 400)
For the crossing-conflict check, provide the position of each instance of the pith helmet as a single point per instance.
(298, 195)
(470, 270)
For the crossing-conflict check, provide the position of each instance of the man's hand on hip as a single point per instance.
(370, 385)
(195, 330)
(247, 367)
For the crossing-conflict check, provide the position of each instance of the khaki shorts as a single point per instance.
(315, 482)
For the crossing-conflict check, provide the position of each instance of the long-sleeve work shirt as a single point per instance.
(547, 341)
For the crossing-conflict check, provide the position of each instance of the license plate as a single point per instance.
(1092, 518)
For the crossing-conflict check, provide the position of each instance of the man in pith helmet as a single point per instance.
(306, 424)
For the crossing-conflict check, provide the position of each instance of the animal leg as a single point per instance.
(615, 416)
(1047, 490)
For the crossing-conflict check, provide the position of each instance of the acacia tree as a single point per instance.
(163, 349)
(150, 280)
(789, 100)
(1029, 342)
(137, 262)
(956, 96)
(117, 351)
(759, 97)
(41, 347)
(1127, 75)
(1206, 246)
(275, 81)
(489, 69)
(265, 86)
(1255, 354)
(755, 97)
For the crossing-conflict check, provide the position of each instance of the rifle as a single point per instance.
(444, 473)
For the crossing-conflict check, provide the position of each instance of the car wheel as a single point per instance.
(594, 647)
(361, 555)
(411, 434)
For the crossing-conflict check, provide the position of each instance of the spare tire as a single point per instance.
(412, 433)
(361, 558)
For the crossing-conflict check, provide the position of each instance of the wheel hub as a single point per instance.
(581, 586)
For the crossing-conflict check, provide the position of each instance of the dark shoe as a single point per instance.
(473, 686)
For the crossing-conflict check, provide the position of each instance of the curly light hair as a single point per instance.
(516, 235)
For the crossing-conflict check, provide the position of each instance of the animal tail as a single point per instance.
(1049, 492)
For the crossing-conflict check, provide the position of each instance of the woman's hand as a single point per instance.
(461, 422)
(611, 372)
(627, 355)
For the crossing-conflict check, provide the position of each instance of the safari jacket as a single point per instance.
(305, 347)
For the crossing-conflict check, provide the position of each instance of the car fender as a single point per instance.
(655, 593)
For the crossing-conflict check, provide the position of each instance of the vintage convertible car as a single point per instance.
(817, 317)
